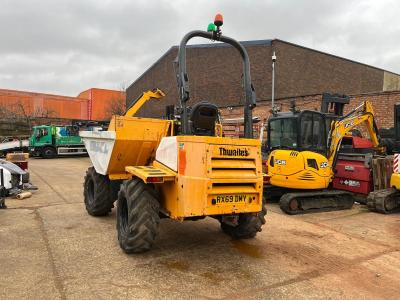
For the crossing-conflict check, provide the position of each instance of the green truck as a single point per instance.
(49, 141)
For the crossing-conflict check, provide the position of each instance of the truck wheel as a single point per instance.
(97, 193)
(137, 216)
(249, 225)
(49, 152)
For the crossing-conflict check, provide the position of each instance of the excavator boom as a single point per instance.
(344, 125)
(146, 96)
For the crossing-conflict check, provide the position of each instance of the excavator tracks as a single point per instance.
(318, 201)
(384, 201)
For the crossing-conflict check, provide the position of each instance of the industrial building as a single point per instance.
(92, 104)
(215, 70)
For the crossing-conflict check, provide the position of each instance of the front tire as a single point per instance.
(98, 194)
(49, 152)
(248, 225)
(137, 216)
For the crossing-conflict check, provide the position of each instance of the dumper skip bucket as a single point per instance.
(129, 141)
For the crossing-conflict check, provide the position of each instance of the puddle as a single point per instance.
(176, 265)
(216, 278)
(212, 276)
(247, 249)
(306, 234)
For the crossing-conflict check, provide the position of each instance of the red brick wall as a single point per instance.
(383, 104)
(215, 75)
(302, 71)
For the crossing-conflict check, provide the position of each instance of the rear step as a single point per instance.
(319, 201)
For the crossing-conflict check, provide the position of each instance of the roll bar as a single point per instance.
(183, 80)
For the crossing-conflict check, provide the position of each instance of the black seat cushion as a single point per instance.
(203, 117)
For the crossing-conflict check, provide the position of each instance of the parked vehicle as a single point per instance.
(182, 169)
(48, 141)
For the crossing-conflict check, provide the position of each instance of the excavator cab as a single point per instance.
(298, 131)
(297, 145)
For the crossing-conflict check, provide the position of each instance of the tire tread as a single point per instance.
(103, 201)
(143, 216)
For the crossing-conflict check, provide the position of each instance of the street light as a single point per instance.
(273, 82)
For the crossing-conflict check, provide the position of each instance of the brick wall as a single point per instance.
(302, 71)
(383, 104)
(215, 75)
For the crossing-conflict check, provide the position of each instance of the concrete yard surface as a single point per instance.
(50, 248)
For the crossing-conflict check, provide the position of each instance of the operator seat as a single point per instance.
(203, 117)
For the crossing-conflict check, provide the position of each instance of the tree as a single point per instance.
(116, 105)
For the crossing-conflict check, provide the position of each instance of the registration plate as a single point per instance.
(229, 199)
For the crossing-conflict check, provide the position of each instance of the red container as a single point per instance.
(361, 143)
(22, 164)
(353, 176)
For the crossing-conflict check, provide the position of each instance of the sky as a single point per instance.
(67, 46)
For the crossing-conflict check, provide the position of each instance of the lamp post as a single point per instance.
(273, 82)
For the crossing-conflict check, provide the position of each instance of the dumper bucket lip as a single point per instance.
(97, 134)
(99, 145)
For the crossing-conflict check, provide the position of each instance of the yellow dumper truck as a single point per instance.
(183, 169)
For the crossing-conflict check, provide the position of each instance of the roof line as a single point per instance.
(214, 45)
(96, 88)
(253, 43)
(333, 55)
(41, 94)
(152, 66)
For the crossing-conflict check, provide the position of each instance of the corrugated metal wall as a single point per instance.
(93, 104)
(102, 103)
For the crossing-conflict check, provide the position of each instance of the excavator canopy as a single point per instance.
(302, 131)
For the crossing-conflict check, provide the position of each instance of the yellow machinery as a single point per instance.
(304, 153)
(146, 96)
(182, 169)
(387, 201)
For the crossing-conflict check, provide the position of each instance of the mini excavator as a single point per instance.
(303, 153)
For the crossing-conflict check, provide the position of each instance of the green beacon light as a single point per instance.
(211, 27)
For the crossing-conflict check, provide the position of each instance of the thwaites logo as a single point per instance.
(233, 152)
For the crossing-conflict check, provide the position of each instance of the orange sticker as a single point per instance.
(182, 161)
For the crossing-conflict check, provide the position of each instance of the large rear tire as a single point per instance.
(98, 193)
(248, 225)
(137, 216)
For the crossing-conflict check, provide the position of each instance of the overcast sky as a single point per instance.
(67, 46)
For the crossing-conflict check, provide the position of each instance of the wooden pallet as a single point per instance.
(382, 169)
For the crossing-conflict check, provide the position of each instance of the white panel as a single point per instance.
(167, 152)
(99, 145)
(14, 144)
(6, 178)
